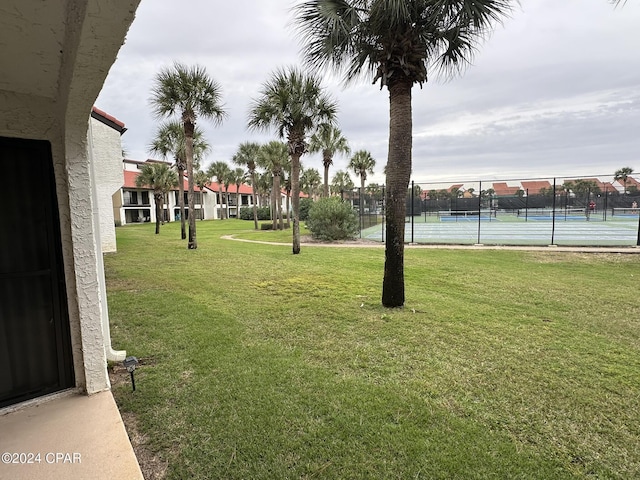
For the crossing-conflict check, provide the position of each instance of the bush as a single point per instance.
(266, 226)
(246, 213)
(332, 219)
(305, 206)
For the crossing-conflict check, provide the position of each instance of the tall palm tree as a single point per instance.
(189, 93)
(310, 182)
(273, 158)
(202, 180)
(328, 139)
(160, 178)
(219, 170)
(170, 140)
(394, 42)
(361, 164)
(294, 104)
(247, 155)
(623, 174)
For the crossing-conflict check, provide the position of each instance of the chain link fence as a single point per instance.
(575, 211)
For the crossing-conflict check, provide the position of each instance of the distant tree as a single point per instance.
(220, 170)
(189, 93)
(361, 164)
(169, 140)
(294, 104)
(310, 182)
(247, 155)
(273, 156)
(160, 179)
(202, 180)
(237, 178)
(341, 182)
(375, 193)
(623, 174)
(329, 140)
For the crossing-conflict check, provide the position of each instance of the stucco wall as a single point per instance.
(93, 32)
(106, 153)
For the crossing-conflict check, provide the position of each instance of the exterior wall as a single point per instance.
(106, 152)
(93, 34)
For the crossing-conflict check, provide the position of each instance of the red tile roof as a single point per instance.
(534, 187)
(109, 120)
(501, 188)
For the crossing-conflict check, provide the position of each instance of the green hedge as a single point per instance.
(246, 213)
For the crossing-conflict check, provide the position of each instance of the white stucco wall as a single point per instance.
(93, 32)
(106, 153)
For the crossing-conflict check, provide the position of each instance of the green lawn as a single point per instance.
(258, 364)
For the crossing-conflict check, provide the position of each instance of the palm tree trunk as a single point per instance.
(277, 203)
(295, 200)
(253, 200)
(398, 175)
(362, 178)
(326, 178)
(188, 137)
(158, 201)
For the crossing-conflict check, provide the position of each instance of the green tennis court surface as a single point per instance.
(575, 230)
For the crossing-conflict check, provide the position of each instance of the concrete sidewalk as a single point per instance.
(71, 436)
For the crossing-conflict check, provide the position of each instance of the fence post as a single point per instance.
(412, 200)
(480, 211)
(553, 213)
(384, 211)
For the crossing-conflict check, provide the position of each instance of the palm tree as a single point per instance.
(310, 181)
(264, 184)
(190, 93)
(237, 178)
(394, 41)
(361, 164)
(273, 158)
(160, 178)
(219, 170)
(169, 140)
(247, 155)
(202, 180)
(328, 139)
(623, 174)
(341, 182)
(294, 104)
(375, 192)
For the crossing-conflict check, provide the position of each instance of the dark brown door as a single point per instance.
(35, 351)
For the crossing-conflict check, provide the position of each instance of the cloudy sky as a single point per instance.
(555, 91)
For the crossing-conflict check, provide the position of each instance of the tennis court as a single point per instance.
(570, 228)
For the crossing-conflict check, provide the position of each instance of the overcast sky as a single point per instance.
(555, 91)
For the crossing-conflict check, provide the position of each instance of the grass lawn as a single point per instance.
(258, 364)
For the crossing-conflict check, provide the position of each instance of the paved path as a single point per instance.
(366, 244)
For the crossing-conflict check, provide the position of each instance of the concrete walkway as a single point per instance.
(70, 436)
(372, 244)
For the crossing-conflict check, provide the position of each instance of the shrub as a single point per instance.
(305, 206)
(246, 213)
(332, 219)
(266, 226)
